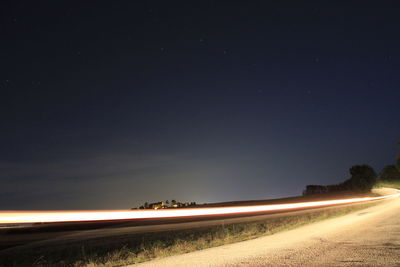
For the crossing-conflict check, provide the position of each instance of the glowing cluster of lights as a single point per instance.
(13, 217)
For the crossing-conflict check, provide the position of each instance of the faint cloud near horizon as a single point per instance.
(102, 181)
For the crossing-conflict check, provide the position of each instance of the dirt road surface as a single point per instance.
(370, 237)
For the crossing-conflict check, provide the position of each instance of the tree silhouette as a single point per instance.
(390, 173)
(363, 177)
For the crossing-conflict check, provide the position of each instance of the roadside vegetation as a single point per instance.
(390, 184)
(390, 176)
(363, 178)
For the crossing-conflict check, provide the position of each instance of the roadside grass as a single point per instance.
(144, 247)
(391, 184)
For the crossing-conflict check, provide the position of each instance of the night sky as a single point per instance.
(108, 105)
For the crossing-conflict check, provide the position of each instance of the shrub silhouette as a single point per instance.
(363, 177)
(390, 173)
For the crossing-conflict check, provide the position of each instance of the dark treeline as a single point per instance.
(363, 178)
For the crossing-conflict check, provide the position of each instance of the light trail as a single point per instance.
(14, 217)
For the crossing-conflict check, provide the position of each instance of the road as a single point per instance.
(56, 239)
(55, 234)
(79, 216)
(370, 237)
(58, 235)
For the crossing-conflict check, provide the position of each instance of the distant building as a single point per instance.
(158, 205)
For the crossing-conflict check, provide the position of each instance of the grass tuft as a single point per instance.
(390, 184)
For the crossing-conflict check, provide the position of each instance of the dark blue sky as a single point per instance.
(111, 105)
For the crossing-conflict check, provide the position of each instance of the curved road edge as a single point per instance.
(369, 237)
